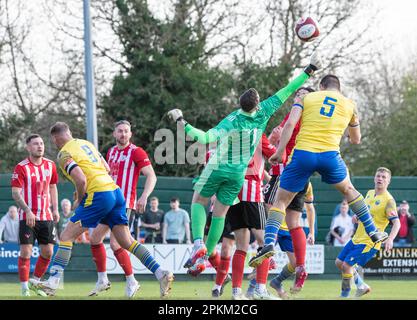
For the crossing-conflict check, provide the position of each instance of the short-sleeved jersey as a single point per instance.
(34, 180)
(83, 154)
(239, 134)
(383, 209)
(309, 196)
(125, 166)
(325, 117)
(252, 185)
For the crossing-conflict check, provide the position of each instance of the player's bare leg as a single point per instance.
(61, 259)
(275, 217)
(360, 209)
(125, 240)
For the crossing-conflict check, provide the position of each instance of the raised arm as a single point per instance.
(274, 102)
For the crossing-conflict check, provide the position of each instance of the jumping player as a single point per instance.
(325, 115)
(237, 136)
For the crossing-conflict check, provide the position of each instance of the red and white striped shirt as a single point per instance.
(277, 170)
(34, 180)
(125, 166)
(252, 186)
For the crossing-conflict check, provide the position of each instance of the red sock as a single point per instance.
(238, 265)
(41, 267)
(222, 270)
(299, 243)
(23, 266)
(124, 261)
(99, 256)
(215, 260)
(262, 272)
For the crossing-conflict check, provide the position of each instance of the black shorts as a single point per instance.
(270, 190)
(227, 231)
(297, 203)
(251, 215)
(44, 231)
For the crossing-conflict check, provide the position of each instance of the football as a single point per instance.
(307, 29)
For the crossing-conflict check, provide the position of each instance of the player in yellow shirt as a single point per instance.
(98, 200)
(325, 115)
(361, 249)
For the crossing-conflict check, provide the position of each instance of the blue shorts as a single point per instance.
(303, 164)
(285, 241)
(353, 254)
(107, 207)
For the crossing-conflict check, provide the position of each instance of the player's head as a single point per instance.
(344, 207)
(66, 205)
(249, 100)
(330, 82)
(174, 203)
(60, 134)
(122, 132)
(12, 212)
(303, 91)
(382, 178)
(35, 146)
(154, 202)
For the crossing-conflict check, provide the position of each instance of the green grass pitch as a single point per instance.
(201, 290)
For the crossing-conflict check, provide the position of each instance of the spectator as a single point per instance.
(337, 210)
(9, 225)
(152, 221)
(342, 227)
(135, 222)
(66, 214)
(405, 237)
(176, 224)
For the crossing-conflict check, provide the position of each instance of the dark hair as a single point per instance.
(174, 199)
(330, 81)
(31, 137)
(249, 100)
(59, 127)
(118, 123)
(309, 89)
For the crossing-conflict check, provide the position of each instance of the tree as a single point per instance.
(166, 68)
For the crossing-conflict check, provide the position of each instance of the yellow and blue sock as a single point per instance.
(144, 256)
(61, 259)
(346, 279)
(359, 207)
(275, 218)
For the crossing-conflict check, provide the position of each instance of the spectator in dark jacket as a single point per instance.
(405, 237)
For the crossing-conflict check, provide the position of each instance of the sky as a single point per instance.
(397, 24)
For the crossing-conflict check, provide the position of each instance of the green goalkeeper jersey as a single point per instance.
(238, 135)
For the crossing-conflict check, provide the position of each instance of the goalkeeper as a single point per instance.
(237, 137)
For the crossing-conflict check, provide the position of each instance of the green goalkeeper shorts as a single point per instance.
(225, 185)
